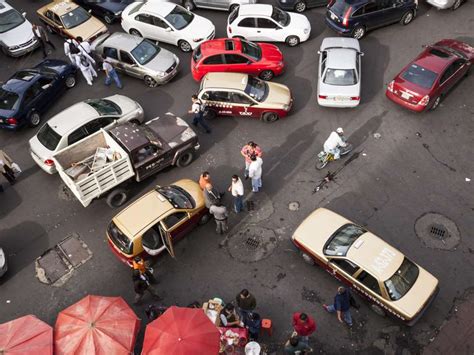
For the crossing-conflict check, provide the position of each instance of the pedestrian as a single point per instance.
(198, 109)
(85, 49)
(229, 317)
(87, 70)
(342, 305)
(296, 347)
(141, 284)
(7, 167)
(71, 50)
(251, 148)
(139, 264)
(304, 326)
(42, 37)
(237, 190)
(110, 73)
(211, 196)
(219, 211)
(255, 172)
(253, 322)
(204, 179)
(246, 302)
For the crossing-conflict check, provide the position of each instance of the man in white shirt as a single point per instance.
(197, 109)
(110, 73)
(255, 172)
(334, 142)
(237, 190)
(71, 50)
(85, 49)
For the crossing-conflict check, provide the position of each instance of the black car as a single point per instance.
(109, 10)
(300, 5)
(356, 17)
(30, 92)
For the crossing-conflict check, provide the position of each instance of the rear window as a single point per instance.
(48, 137)
(8, 100)
(136, 8)
(340, 7)
(342, 239)
(233, 15)
(119, 239)
(104, 107)
(402, 281)
(340, 77)
(197, 54)
(420, 76)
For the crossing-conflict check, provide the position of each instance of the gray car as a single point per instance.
(137, 57)
(225, 5)
(445, 4)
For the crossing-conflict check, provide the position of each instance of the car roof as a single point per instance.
(429, 59)
(161, 8)
(122, 41)
(225, 81)
(72, 118)
(221, 45)
(341, 58)
(255, 9)
(61, 7)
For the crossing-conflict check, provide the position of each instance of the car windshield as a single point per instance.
(256, 89)
(177, 196)
(455, 52)
(119, 239)
(104, 107)
(281, 16)
(8, 100)
(197, 54)
(340, 77)
(252, 50)
(340, 7)
(9, 20)
(419, 76)
(402, 281)
(179, 18)
(75, 17)
(342, 239)
(145, 52)
(48, 137)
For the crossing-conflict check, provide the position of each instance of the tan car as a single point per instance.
(391, 282)
(70, 20)
(157, 220)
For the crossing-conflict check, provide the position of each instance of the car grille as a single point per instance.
(29, 43)
(171, 68)
(211, 36)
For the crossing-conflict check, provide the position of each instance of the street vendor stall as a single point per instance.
(233, 340)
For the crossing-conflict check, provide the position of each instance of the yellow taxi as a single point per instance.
(391, 282)
(157, 220)
(70, 20)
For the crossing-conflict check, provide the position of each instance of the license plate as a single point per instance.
(339, 98)
(406, 96)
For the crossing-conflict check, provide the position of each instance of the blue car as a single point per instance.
(355, 17)
(30, 92)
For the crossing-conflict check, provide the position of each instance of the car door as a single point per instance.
(389, 11)
(129, 65)
(242, 106)
(247, 27)
(32, 99)
(452, 75)
(214, 63)
(369, 284)
(240, 64)
(112, 54)
(147, 27)
(170, 34)
(77, 135)
(268, 30)
(369, 16)
(220, 101)
(177, 224)
(147, 160)
(53, 21)
(342, 269)
(44, 91)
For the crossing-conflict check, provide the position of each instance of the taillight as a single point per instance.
(390, 86)
(49, 162)
(355, 98)
(424, 101)
(12, 121)
(331, 2)
(345, 20)
(230, 29)
(324, 97)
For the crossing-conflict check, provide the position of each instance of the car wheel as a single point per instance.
(270, 117)
(266, 75)
(204, 219)
(456, 4)
(239, 37)
(307, 259)
(135, 121)
(407, 18)
(117, 198)
(292, 41)
(435, 103)
(358, 32)
(185, 158)
(135, 32)
(300, 6)
(70, 81)
(184, 46)
(150, 82)
(233, 7)
(34, 118)
(108, 19)
(377, 309)
(189, 5)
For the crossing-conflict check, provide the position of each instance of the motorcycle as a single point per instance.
(324, 158)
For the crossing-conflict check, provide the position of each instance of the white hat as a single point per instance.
(252, 348)
(339, 130)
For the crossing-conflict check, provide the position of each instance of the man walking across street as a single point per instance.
(85, 49)
(71, 50)
(197, 109)
(86, 67)
(237, 190)
(255, 172)
(42, 37)
(110, 73)
(341, 305)
(247, 151)
(6, 167)
(295, 346)
(304, 326)
(141, 284)
(220, 214)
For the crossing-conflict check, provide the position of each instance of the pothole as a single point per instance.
(437, 231)
(65, 193)
(252, 244)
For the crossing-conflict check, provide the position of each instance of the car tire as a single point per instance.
(34, 119)
(70, 81)
(378, 310)
(456, 5)
(308, 259)
(239, 37)
(436, 103)
(269, 117)
(292, 41)
(204, 219)
(300, 6)
(135, 32)
(184, 46)
(150, 82)
(358, 32)
(266, 75)
(407, 18)
(233, 7)
(135, 121)
(108, 19)
(189, 5)
(116, 198)
(185, 158)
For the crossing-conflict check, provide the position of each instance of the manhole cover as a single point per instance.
(294, 206)
(252, 244)
(437, 231)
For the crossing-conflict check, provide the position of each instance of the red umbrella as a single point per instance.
(181, 331)
(26, 335)
(96, 325)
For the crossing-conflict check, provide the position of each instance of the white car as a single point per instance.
(79, 121)
(267, 23)
(339, 72)
(167, 22)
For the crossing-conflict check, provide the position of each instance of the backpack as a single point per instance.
(73, 48)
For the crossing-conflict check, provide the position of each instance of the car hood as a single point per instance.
(200, 27)
(172, 130)
(18, 35)
(162, 62)
(271, 53)
(55, 64)
(88, 29)
(278, 94)
(125, 103)
(462, 47)
(298, 21)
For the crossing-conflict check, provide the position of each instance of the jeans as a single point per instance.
(199, 120)
(256, 184)
(221, 226)
(247, 164)
(346, 314)
(113, 76)
(238, 203)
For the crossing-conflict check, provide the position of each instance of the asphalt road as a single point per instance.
(419, 164)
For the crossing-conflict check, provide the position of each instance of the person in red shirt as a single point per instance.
(304, 326)
(247, 151)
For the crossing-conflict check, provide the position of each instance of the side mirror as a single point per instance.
(89, 11)
(319, 52)
(168, 29)
(23, 14)
(249, 62)
(46, 86)
(361, 54)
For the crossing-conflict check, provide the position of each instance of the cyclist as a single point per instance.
(335, 141)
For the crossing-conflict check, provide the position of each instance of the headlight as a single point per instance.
(197, 39)
(160, 73)
(118, 13)
(286, 107)
(12, 48)
(306, 31)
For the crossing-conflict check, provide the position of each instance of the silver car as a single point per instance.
(445, 4)
(225, 5)
(137, 57)
(16, 32)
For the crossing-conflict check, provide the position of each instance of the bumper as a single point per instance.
(339, 29)
(22, 50)
(442, 5)
(124, 259)
(407, 105)
(338, 103)
(288, 6)
(165, 79)
(195, 44)
(46, 168)
(415, 319)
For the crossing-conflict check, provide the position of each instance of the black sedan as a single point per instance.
(30, 92)
(109, 10)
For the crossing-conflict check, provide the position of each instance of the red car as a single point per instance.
(236, 55)
(423, 83)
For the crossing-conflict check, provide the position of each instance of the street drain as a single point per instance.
(252, 244)
(437, 231)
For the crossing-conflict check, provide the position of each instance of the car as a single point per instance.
(69, 20)
(267, 23)
(237, 55)
(109, 10)
(224, 5)
(137, 57)
(167, 22)
(243, 95)
(157, 220)
(30, 92)
(16, 32)
(79, 121)
(3, 263)
(300, 5)
(392, 283)
(355, 17)
(424, 82)
(339, 72)
(445, 4)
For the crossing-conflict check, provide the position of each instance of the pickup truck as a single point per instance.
(106, 161)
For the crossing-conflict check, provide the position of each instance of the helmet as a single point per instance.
(340, 130)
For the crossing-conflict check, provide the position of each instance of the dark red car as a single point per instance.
(423, 83)
(237, 55)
